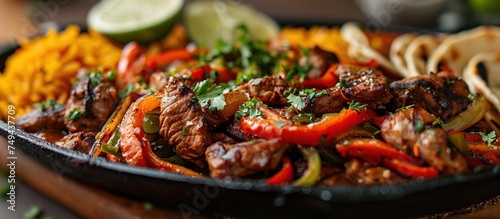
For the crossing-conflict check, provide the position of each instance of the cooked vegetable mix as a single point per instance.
(288, 110)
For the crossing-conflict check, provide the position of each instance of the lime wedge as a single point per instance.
(143, 21)
(209, 21)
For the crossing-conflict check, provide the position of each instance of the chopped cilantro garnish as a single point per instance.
(74, 114)
(36, 213)
(369, 127)
(210, 95)
(280, 123)
(299, 101)
(406, 107)
(471, 96)
(488, 138)
(127, 91)
(438, 122)
(111, 75)
(184, 132)
(249, 108)
(148, 206)
(354, 105)
(340, 83)
(418, 125)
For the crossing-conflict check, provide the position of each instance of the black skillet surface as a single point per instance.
(249, 199)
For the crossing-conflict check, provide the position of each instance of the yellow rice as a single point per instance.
(42, 68)
(327, 38)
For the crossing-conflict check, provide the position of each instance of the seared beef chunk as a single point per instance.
(182, 123)
(331, 102)
(78, 141)
(319, 60)
(406, 130)
(90, 105)
(364, 85)
(441, 94)
(223, 137)
(233, 130)
(269, 90)
(42, 118)
(434, 151)
(214, 119)
(157, 81)
(245, 158)
(399, 129)
(362, 173)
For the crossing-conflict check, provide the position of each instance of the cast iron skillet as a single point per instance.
(246, 198)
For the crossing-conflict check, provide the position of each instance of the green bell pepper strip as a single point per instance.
(311, 175)
(473, 114)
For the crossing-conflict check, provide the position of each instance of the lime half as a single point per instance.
(142, 21)
(212, 20)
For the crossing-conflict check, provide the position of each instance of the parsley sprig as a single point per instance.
(489, 138)
(210, 95)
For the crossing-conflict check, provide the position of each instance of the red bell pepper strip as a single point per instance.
(285, 175)
(156, 162)
(224, 75)
(134, 145)
(372, 151)
(411, 170)
(308, 135)
(132, 136)
(372, 63)
(168, 57)
(328, 80)
(197, 73)
(131, 65)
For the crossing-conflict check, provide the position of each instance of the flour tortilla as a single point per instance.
(360, 49)
(489, 89)
(418, 52)
(457, 49)
(397, 52)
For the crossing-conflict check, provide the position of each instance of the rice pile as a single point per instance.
(42, 69)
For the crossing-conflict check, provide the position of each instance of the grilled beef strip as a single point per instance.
(182, 122)
(441, 94)
(38, 119)
(364, 85)
(244, 159)
(409, 128)
(331, 102)
(319, 60)
(78, 141)
(95, 103)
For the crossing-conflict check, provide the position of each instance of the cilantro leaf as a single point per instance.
(280, 123)
(210, 95)
(127, 90)
(74, 114)
(488, 138)
(249, 108)
(296, 101)
(299, 101)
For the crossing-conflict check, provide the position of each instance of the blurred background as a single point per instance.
(24, 17)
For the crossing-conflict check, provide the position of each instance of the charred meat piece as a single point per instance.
(402, 129)
(158, 81)
(234, 131)
(43, 118)
(214, 119)
(362, 173)
(245, 158)
(182, 123)
(331, 102)
(269, 90)
(319, 60)
(434, 151)
(407, 131)
(441, 94)
(78, 141)
(90, 105)
(364, 85)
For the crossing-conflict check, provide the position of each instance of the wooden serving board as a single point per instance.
(90, 202)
